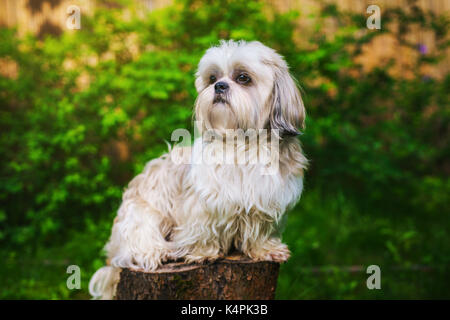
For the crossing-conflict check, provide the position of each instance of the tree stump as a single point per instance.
(234, 277)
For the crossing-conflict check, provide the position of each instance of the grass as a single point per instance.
(331, 237)
(333, 241)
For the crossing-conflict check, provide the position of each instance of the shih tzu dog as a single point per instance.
(198, 203)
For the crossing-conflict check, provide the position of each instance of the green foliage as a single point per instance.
(88, 109)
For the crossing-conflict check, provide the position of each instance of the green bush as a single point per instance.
(88, 109)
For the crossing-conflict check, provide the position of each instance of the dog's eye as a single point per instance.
(212, 79)
(243, 78)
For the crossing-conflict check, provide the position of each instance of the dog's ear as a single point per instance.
(287, 112)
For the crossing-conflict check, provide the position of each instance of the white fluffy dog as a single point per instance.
(185, 206)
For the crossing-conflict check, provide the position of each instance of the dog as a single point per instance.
(185, 206)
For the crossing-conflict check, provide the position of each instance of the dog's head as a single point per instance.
(246, 85)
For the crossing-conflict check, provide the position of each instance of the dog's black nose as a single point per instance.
(221, 87)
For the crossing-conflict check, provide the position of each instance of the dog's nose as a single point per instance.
(221, 87)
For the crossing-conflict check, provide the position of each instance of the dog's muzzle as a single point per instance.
(219, 98)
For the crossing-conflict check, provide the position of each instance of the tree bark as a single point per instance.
(234, 277)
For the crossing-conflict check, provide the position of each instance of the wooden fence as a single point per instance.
(49, 17)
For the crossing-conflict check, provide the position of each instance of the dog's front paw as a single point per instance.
(139, 262)
(270, 251)
(203, 255)
(280, 254)
(196, 258)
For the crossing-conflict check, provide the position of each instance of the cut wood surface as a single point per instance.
(234, 277)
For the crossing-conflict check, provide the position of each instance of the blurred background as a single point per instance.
(82, 111)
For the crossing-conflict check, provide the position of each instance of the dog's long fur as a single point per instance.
(199, 211)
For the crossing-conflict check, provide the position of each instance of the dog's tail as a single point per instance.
(104, 282)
